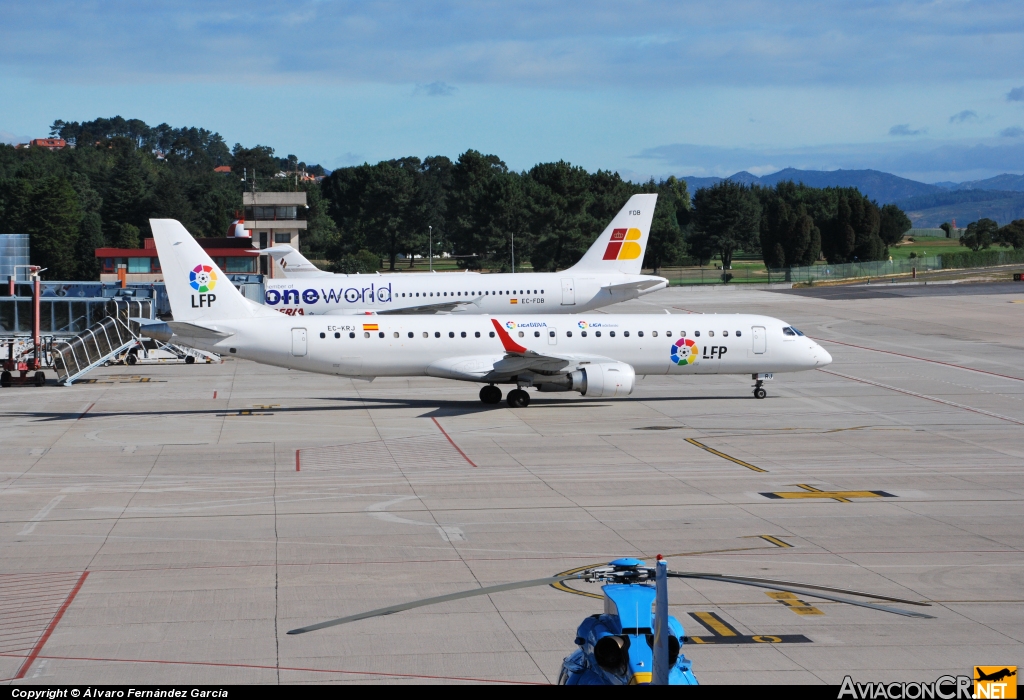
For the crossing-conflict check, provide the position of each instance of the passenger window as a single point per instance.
(477, 334)
(396, 334)
(682, 334)
(568, 334)
(381, 334)
(366, 335)
(410, 334)
(491, 334)
(583, 333)
(738, 334)
(425, 334)
(654, 334)
(536, 334)
(611, 333)
(551, 334)
(711, 334)
(597, 333)
(451, 334)
(463, 334)
(337, 335)
(351, 335)
(725, 334)
(542, 291)
(437, 334)
(640, 333)
(522, 335)
(625, 333)
(696, 334)
(323, 335)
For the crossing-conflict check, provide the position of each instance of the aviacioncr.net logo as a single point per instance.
(203, 278)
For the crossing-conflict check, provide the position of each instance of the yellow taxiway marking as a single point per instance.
(840, 496)
(775, 541)
(793, 603)
(716, 624)
(715, 452)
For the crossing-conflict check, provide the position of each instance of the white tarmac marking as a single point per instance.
(31, 524)
(379, 511)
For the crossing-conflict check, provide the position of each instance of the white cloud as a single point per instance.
(904, 130)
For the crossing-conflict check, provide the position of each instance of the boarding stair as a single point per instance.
(95, 346)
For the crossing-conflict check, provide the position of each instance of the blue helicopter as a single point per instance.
(629, 643)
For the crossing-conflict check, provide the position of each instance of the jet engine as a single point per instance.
(604, 380)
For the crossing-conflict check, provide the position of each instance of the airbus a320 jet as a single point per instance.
(608, 273)
(598, 355)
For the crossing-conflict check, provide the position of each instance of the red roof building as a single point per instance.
(52, 144)
(143, 264)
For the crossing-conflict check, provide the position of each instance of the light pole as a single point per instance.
(430, 243)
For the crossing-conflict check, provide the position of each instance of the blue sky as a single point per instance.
(932, 90)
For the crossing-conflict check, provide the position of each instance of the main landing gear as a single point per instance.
(517, 398)
(759, 392)
(490, 394)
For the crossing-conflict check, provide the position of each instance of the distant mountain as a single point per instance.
(966, 205)
(879, 186)
(1000, 197)
(1004, 183)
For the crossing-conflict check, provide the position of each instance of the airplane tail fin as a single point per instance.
(197, 289)
(621, 247)
(293, 263)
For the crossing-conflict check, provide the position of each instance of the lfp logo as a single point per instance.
(582, 324)
(684, 352)
(511, 325)
(203, 279)
(623, 245)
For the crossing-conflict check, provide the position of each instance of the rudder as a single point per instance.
(621, 246)
(197, 289)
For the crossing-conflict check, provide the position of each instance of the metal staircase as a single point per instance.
(99, 343)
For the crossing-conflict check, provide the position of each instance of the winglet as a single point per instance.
(506, 339)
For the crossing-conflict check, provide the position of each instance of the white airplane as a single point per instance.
(597, 355)
(608, 273)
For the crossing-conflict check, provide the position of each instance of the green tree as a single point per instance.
(126, 200)
(893, 224)
(945, 226)
(53, 227)
(256, 162)
(726, 219)
(90, 237)
(980, 234)
(788, 233)
(665, 245)
(851, 234)
(1012, 234)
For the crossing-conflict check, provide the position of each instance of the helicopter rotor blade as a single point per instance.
(830, 589)
(392, 609)
(815, 594)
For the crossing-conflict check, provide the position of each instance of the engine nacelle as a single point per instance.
(604, 380)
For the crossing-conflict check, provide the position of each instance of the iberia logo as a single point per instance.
(684, 352)
(623, 245)
(510, 325)
(203, 279)
(582, 324)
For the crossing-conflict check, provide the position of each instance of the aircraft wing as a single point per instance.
(519, 359)
(440, 307)
(638, 287)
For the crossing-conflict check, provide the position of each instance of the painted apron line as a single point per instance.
(459, 449)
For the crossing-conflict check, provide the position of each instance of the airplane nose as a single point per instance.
(821, 356)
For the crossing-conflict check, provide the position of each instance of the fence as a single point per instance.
(878, 268)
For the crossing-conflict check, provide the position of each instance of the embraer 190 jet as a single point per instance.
(608, 273)
(598, 355)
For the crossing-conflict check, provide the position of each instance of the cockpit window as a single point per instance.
(796, 330)
(788, 331)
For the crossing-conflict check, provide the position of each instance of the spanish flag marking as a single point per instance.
(513, 301)
(370, 327)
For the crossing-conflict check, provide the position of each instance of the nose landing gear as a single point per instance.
(759, 391)
(490, 394)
